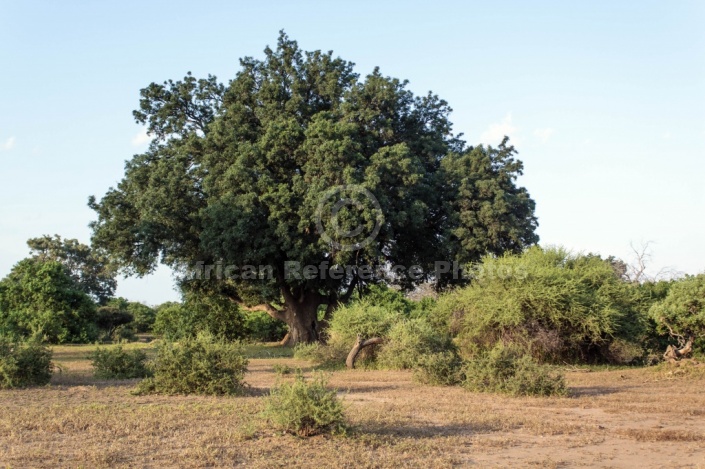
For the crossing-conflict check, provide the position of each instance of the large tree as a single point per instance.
(299, 159)
(89, 268)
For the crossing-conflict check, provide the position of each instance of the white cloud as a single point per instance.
(496, 132)
(141, 138)
(666, 135)
(544, 134)
(9, 143)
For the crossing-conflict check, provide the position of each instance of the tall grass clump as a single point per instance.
(305, 407)
(117, 363)
(509, 371)
(201, 365)
(24, 364)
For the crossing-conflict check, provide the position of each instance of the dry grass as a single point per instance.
(620, 418)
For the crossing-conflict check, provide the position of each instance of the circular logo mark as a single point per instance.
(344, 229)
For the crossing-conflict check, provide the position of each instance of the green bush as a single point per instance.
(440, 369)
(507, 370)
(554, 305)
(24, 364)
(281, 369)
(199, 314)
(117, 363)
(261, 327)
(201, 365)
(330, 355)
(408, 342)
(683, 311)
(305, 408)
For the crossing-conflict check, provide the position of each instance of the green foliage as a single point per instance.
(24, 364)
(116, 363)
(143, 316)
(439, 369)
(259, 326)
(199, 314)
(241, 172)
(281, 369)
(200, 365)
(554, 305)
(408, 342)
(330, 355)
(40, 300)
(88, 267)
(507, 370)
(305, 408)
(683, 310)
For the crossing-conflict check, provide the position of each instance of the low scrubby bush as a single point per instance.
(200, 365)
(440, 369)
(305, 407)
(508, 370)
(24, 364)
(554, 305)
(408, 342)
(117, 363)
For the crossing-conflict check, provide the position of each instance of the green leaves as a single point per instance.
(238, 171)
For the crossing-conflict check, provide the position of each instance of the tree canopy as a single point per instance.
(39, 299)
(299, 159)
(89, 269)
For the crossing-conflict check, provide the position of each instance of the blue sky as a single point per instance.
(604, 100)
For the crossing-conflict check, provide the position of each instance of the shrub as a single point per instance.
(331, 355)
(554, 305)
(24, 364)
(507, 370)
(683, 310)
(199, 314)
(201, 365)
(408, 342)
(305, 408)
(261, 327)
(440, 369)
(117, 363)
(281, 369)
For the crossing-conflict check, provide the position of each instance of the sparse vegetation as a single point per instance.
(305, 407)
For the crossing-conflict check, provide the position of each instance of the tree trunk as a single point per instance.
(359, 345)
(674, 353)
(302, 318)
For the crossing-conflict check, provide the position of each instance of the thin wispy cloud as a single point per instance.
(8, 144)
(544, 134)
(141, 139)
(496, 132)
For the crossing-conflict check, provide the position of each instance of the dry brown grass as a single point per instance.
(622, 418)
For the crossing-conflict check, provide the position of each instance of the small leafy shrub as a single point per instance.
(201, 365)
(440, 369)
(331, 355)
(305, 408)
(261, 327)
(622, 352)
(24, 364)
(117, 363)
(408, 342)
(507, 370)
(281, 369)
